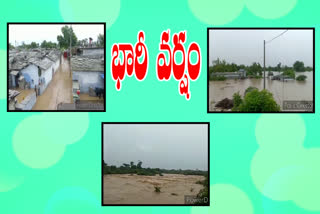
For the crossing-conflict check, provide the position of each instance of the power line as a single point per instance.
(277, 36)
(264, 56)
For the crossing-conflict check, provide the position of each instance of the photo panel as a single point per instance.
(260, 70)
(162, 164)
(56, 67)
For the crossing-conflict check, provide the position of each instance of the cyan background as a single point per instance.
(51, 162)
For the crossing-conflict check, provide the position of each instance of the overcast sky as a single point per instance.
(49, 32)
(168, 146)
(246, 46)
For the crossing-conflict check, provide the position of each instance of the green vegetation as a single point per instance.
(255, 70)
(157, 189)
(64, 39)
(100, 40)
(249, 89)
(139, 170)
(175, 194)
(49, 44)
(255, 101)
(298, 66)
(237, 101)
(11, 46)
(301, 78)
(203, 195)
(290, 73)
(29, 46)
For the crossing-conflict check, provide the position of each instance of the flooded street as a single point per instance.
(282, 91)
(139, 189)
(59, 89)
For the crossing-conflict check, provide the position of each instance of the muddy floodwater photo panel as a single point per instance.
(260, 70)
(155, 164)
(56, 66)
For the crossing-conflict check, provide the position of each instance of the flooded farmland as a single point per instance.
(139, 189)
(282, 91)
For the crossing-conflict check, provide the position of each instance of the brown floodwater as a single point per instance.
(139, 189)
(290, 90)
(58, 91)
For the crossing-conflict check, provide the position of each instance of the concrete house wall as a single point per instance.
(47, 76)
(88, 79)
(91, 52)
(56, 65)
(31, 71)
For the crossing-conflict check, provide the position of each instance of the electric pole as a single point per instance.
(70, 49)
(264, 64)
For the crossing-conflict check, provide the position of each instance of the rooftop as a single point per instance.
(39, 57)
(81, 63)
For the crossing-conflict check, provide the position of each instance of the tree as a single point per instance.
(132, 166)
(126, 165)
(139, 164)
(34, 45)
(290, 73)
(100, 40)
(301, 78)
(279, 66)
(23, 45)
(237, 101)
(298, 66)
(255, 69)
(11, 46)
(258, 101)
(64, 39)
(49, 44)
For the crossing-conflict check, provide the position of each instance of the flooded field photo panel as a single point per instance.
(155, 164)
(56, 67)
(258, 70)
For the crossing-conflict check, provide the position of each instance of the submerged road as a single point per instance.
(59, 89)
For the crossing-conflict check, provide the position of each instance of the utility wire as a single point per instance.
(277, 36)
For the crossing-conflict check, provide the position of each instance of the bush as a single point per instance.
(290, 73)
(203, 195)
(237, 100)
(157, 189)
(301, 78)
(258, 101)
(249, 89)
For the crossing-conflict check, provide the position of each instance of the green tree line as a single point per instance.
(255, 69)
(132, 168)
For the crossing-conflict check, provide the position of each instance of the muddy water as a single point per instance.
(288, 90)
(139, 189)
(59, 90)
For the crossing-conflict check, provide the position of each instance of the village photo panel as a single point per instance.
(260, 70)
(155, 164)
(56, 67)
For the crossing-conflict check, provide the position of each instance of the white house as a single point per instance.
(94, 51)
(88, 71)
(35, 67)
